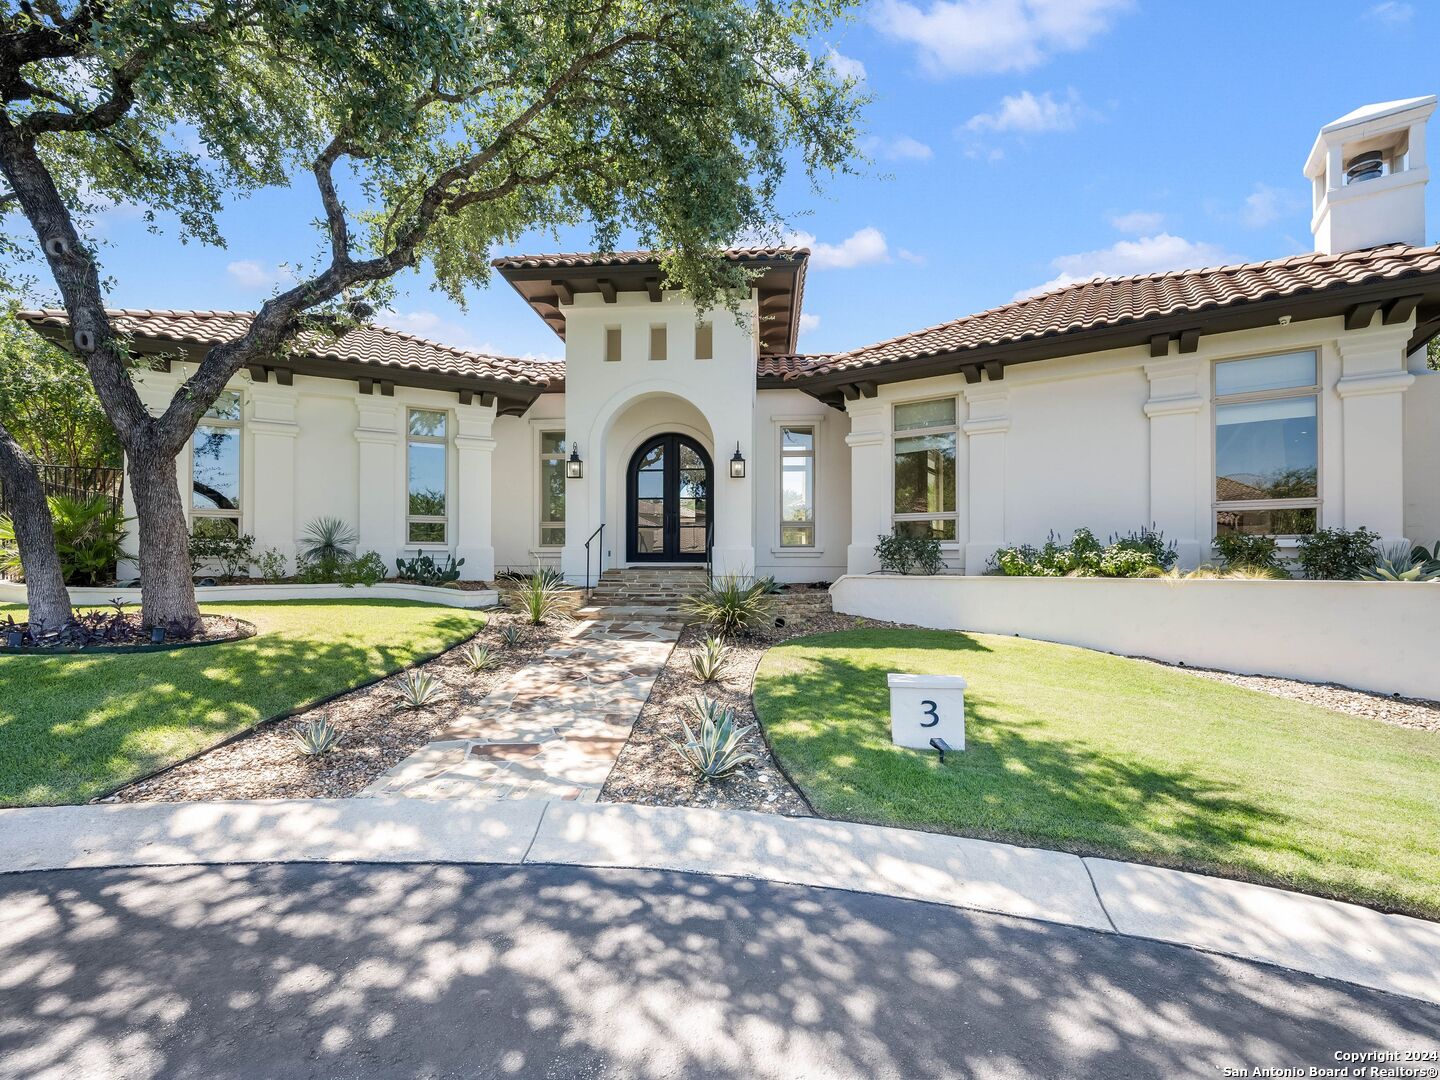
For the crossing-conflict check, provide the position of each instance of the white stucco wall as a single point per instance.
(1422, 459)
(517, 484)
(826, 560)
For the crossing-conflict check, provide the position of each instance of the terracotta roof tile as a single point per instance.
(633, 258)
(784, 363)
(1105, 302)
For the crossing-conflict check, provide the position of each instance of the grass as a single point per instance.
(74, 727)
(1102, 755)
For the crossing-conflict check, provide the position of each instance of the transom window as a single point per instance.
(215, 469)
(1267, 445)
(552, 489)
(425, 521)
(797, 486)
(924, 451)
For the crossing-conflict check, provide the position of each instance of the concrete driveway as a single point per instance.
(354, 970)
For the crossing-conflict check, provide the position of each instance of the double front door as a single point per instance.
(668, 495)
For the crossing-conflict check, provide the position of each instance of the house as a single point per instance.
(1273, 397)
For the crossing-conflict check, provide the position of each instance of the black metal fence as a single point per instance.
(80, 482)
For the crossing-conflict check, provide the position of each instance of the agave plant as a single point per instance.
(543, 598)
(707, 660)
(479, 658)
(316, 737)
(418, 689)
(715, 748)
(1398, 562)
(731, 604)
(511, 635)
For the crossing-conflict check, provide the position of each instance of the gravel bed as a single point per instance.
(264, 763)
(650, 772)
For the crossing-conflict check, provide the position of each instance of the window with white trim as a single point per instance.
(552, 489)
(797, 486)
(215, 469)
(426, 474)
(1267, 444)
(924, 456)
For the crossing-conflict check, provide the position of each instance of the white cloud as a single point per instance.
(808, 322)
(1392, 13)
(847, 67)
(1138, 221)
(1031, 115)
(897, 148)
(977, 37)
(912, 256)
(1143, 255)
(1266, 205)
(253, 275)
(861, 248)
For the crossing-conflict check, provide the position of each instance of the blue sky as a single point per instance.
(1015, 143)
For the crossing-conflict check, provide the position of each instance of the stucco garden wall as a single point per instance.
(1370, 635)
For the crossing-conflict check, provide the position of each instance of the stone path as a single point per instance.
(550, 730)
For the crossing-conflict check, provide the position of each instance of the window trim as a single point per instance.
(238, 424)
(1217, 400)
(813, 522)
(443, 441)
(943, 429)
(541, 456)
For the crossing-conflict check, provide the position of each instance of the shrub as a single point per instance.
(729, 606)
(1138, 554)
(424, 570)
(707, 660)
(1337, 554)
(417, 689)
(271, 564)
(542, 599)
(316, 737)
(479, 658)
(366, 569)
(328, 538)
(1248, 551)
(716, 748)
(234, 552)
(1398, 562)
(900, 553)
(89, 538)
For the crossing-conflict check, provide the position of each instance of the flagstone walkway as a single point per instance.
(550, 730)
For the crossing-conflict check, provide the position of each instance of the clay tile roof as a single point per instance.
(367, 345)
(1113, 302)
(784, 363)
(633, 258)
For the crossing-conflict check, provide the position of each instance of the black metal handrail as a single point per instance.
(600, 532)
(709, 553)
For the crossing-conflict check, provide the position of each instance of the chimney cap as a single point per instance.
(1377, 114)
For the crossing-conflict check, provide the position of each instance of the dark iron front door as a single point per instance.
(668, 495)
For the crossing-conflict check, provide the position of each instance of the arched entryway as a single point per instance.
(668, 501)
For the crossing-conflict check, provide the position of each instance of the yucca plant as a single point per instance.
(715, 748)
(479, 658)
(707, 660)
(542, 598)
(316, 737)
(417, 689)
(1398, 562)
(511, 635)
(731, 604)
(328, 539)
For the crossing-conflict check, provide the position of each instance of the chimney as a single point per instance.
(1367, 172)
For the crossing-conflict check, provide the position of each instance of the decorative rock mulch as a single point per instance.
(96, 631)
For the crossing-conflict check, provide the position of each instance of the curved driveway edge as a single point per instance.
(1323, 937)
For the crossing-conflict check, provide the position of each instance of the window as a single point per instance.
(215, 469)
(797, 487)
(658, 343)
(612, 344)
(552, 489)
(425, 477)
(925, 468)
(704, 341)
(1267, 447)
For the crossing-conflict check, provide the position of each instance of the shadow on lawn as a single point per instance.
(79, 726)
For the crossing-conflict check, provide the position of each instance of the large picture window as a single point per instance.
(425, 476)
(924, 447)
(797, 487)
(1267, 444)
(552, 489)
(215, 469)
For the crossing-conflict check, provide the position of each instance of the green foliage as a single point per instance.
(366, 569)
(1337, 554)
(271, 564)
(1137, 554)
(511, 635)
(1248, 551)
(731, 605)
(542, 599)
(89, 538)
(1432, 354)
(708, 659)
(417, 689)
(715, 748)
(47, 403)
(328, 539)
(233, 552)
(424, 570)
(1401, 562)
(316, 737)
(479, 658)
(902, 553)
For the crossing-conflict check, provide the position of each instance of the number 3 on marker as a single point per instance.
(931, 712)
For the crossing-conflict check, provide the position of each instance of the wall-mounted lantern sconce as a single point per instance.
(737, 465)
(574, 467)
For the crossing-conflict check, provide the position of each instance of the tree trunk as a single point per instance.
(46, 595)
(167, 592)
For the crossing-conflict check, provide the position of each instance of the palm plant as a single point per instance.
(418, 689)
(715, 748)
(328, 539)
(707, 660)
(542, 598)
(731, 604)
(316, 737)
(89, 538)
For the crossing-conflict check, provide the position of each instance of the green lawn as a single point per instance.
(74, 727)
(1099, 754)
